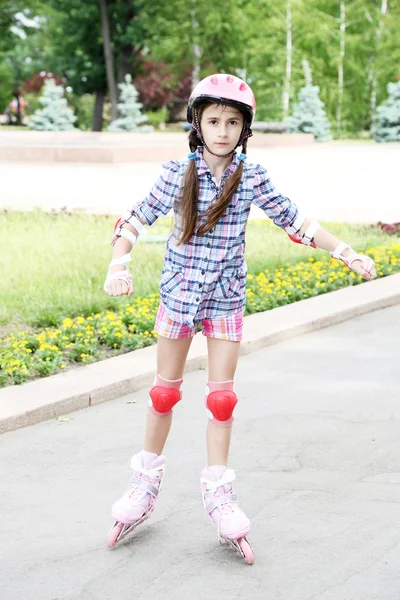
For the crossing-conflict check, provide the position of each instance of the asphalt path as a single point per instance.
(316, 449)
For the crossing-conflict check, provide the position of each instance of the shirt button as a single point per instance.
(197, 299)
(203, 272)
(208, 245)
(200, 285)
(206, 259)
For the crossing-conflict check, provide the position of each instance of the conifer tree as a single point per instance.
(55, 115)
(131, 117)
(386, 126)
(309, 115)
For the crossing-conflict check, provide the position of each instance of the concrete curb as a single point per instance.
(107, 147)
(57, 395)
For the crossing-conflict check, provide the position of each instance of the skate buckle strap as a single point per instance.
(145, 485)
(227, 477)
(153, 473)
(227, 499)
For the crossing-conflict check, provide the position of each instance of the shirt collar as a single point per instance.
(202, 166)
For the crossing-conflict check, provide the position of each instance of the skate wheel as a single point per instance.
(247, 550)
(113, 534)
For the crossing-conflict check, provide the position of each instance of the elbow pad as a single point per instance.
(308, 237)
(120, 231)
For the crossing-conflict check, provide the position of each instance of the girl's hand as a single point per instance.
(118, 287)
(122, 286)
(364, 267)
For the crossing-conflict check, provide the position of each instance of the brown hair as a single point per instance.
(190, 192)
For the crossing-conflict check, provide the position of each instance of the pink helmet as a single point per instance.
(225, 89)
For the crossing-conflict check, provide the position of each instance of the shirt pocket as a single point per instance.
(229, 285)
(170, 282)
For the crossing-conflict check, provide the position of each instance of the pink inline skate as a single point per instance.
(137, 503)
(220, 503)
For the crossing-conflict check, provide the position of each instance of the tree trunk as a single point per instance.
(340, 67)
(108, 58)
(378, 36)
(288, 77)
(125, 56)
(97, 124)
(18, 116)
(197, 51)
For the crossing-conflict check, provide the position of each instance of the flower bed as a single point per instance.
(28, 355)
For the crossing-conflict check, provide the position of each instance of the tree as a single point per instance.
(159, 86)
(131, 118)
(19, 43)
(6, 88)
(108, 57)
(387, 118)
(55, 114)
(308, 115)
(353, 52)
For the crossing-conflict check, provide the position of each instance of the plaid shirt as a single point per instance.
(206, 278)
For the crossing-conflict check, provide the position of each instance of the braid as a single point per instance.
(190, 192)
(194, 140)
(219, 207)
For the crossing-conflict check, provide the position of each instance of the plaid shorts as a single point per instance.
(229, 327)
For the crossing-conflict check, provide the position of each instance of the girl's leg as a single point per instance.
(171, 359)
(216, 480)
(138, 500)
(222, 361)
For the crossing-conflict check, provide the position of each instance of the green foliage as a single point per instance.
(6, 87)
(247, 38)
(77, 45)
(156, 117)
(33, 101)
(387, 119)
(83, 107)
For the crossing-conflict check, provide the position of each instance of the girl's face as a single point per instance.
(221, 126)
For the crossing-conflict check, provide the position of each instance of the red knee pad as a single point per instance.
(220, 405)
(163, 399)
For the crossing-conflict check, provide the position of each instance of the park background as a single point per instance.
(352, 47)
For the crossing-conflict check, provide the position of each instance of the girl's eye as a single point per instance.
(213, 121)
(233, 122)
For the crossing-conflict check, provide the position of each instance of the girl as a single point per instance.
(203, 281)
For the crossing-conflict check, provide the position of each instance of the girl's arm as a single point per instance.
(158, 202)
(326, 241)
(285, 214)
(119, 280)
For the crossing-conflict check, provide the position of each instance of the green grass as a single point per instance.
(54, 266)
(13, 128)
